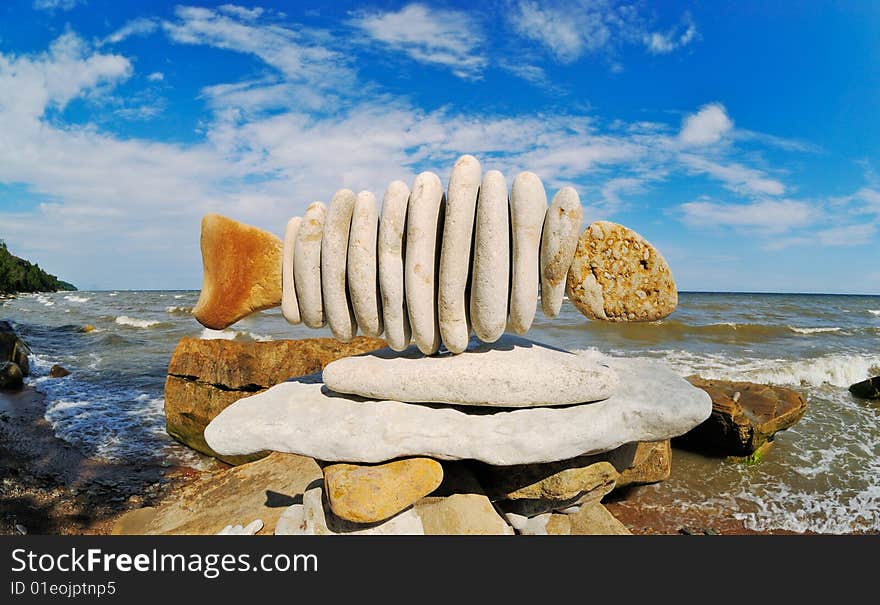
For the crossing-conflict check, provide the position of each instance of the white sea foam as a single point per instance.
(77, 299)
(178, 310)
(837, 369)
(874, 312)
(228, 334)
(44, 300)
(124, 320)
(813, 330)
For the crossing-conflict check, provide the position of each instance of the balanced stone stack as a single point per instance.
(450, 273)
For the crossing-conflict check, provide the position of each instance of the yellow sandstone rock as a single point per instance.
(617, 275)
(367, 494)
(242, 271)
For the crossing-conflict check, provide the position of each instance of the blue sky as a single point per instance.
(742, 139)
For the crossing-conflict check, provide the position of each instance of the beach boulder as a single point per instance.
(866, 389)
(745, 416)
(206, 376)
(11, 378)
(13, 348)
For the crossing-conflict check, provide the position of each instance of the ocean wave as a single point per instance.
(666, 330)
(77, 299)
(813, 330)
(125, 320)
(837, 369)
(874, 311)
(228, 334)
(179, 310)
(44, 300)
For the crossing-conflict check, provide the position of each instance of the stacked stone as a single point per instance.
(460, 269)
(381, 422)
(434, 267)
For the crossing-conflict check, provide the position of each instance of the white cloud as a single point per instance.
(31, 84)
(156, 76)
(296, 53)
(735, 176)
(765, 216)
(447, 38)
(662, 43)
(570, 29)
(53, 5)
(137, 27)
(247, 14)
(294, 131)
(848, 235)
(707, 126)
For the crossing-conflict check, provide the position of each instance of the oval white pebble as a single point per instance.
(528, 205)
(289, 304)
(420, 265)
(562, 228)
(307, 265)
(334, 255)
(391, 249)
(455, 253)
(490, 281)
(363, 281)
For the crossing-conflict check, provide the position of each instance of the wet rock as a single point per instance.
(206, 376)
(13, 348)
(57, 371)
(744, 417)
(867, 389)
(11, 378)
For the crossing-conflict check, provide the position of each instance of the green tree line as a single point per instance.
(19, 275)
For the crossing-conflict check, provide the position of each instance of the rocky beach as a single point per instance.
(52, 485)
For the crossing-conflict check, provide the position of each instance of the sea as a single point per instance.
(822, 475)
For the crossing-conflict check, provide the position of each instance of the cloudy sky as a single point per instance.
(743, 140)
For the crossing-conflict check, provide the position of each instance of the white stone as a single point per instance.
(562, 228)
(307, 265)
(651, 404)
(314, 518)
(242, 530)
(391, 244)
(420, 274)
(455, 253)
(512, 372)
(334, 258)
(363, 281)
(528, 205)
(289, 304)
(490, 280)
(525, 526)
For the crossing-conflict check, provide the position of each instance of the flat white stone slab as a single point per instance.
(651, 404)
(512, 373)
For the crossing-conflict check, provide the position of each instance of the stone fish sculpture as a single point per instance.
(434, 267)
(449, 272)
